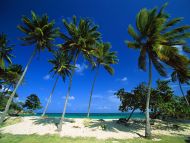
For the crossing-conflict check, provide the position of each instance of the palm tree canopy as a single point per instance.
(157, 38)
(39, 31)
(104, 57)
(11, 74)
(80, 36)
(5, 51)
(14, 73)
(183, 77)
(61, 64)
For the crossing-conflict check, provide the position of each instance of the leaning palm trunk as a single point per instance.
(17, 85)
(131, 114)
(92, 89)
(183, 93)
(67, 96)
(49, 99)
(147, 127)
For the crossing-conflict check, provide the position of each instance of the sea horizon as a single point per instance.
(93, 115)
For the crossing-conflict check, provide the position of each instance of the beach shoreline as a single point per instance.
(100, 129)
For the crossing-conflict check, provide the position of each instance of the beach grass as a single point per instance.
(11, 121)
(7, 138)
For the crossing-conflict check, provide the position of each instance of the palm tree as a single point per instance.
(13, 73)
(10, 76)
(104, 58)
(5, 51)
(61, 67)
(39, 32)
(157, 39)
(80, 38)
(181, 78)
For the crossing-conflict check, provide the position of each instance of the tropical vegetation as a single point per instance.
(157, 37)
(105, 58)
(157, 40)
(79, 40)
(61, 68)
(38, 32)
(164, 104)
(32, 103)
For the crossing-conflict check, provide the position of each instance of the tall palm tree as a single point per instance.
(39, 32)
(181, 78)
(105, 58)
(79, 39)
(5, 51)
(10, 77)
(157, 39)
(61, 68)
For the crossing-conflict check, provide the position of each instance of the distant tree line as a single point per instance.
(164, 104)
(17, 107)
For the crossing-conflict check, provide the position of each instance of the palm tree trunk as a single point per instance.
(18, 84)
(183, 93)
(49, 99)
(147, 127)
(92, 89)
(67, 96)
(130, 114)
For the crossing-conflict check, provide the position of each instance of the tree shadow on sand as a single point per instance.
(168, 125)
(49, 120)
(113, 126)
(135, 126)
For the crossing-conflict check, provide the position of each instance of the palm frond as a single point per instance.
(132, 33)
(38, 31)
(109, 69)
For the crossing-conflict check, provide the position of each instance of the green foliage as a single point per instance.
(32, 103)
(61, 64)
(81, 36)
(163, 102)
(176, 108)
(157, 37)
(39, 31)
(11, 74)
(104, 57)
(162, 94)
(181, 76)
(5, 51)
(8, 79)
(134, 99)
(15, 105)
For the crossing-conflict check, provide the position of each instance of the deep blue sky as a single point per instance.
(113, 17)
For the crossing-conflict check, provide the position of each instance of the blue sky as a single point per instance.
(113, 17)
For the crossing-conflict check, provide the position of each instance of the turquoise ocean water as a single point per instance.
(94, 115)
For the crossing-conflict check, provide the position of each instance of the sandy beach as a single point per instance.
(91, 128)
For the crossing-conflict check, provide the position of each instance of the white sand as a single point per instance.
(76, 128)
